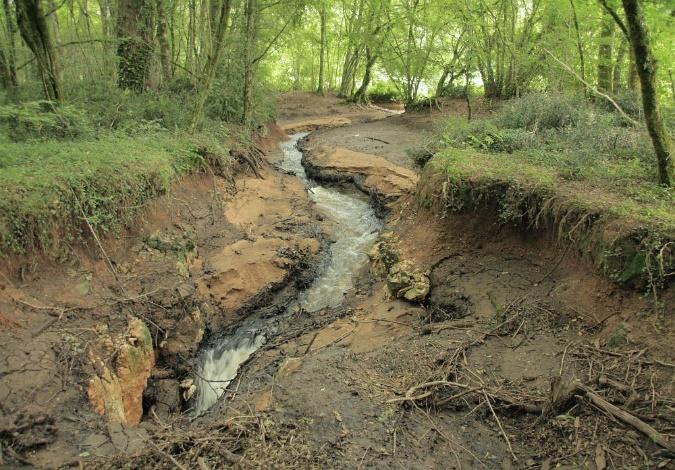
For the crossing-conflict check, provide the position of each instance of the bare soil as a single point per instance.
(463, 380)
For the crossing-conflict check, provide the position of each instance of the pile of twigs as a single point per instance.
(620, 385)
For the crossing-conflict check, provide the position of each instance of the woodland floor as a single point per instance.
(507, 314)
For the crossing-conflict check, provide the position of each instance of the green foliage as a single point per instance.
(110, 108)
(420, 156)
(571, 165)
(567, 130)
(39, 120)
(384, 92)
(43, 186)
(542, 111)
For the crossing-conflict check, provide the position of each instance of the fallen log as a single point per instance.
(626, 417)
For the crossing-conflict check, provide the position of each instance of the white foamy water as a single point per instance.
(356, 227)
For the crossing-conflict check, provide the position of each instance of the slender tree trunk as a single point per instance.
(35, 33)
(440, 86)
(249, 65)
(361, 95)
(605, 55)
(322, 58)
(633, 78)
(467, 93)
(580, 47)
(55, 30)
(106, 32)
(10, 56)
(211, 64)
(646, 68)
(618, 65)
(135, 35)
(191, 51)
(163, 42)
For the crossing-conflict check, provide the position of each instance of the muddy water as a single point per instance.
(356, 227)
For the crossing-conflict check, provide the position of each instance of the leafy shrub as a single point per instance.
(40, 120)
(542, 111)
(113, 109)
(453, 91)
(383, 92)
(485, 135)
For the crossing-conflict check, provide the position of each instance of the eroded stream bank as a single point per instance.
(354, 227)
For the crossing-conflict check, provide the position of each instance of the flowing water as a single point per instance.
(356, 225)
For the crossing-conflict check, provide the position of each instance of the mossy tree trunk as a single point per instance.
(646, 69)
(163, 42)
(8, 55)
(605, 55)
(618, 67)
(35, 32)
(135, 36)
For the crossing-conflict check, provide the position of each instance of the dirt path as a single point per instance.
(459, 377)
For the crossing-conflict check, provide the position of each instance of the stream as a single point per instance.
(355, 225)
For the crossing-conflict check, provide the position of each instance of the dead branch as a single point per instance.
(501, 428)
(626, 417)
(593, 89)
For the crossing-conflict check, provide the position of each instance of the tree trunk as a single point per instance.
(211, 64)
(135, 35)
(163, 41)
(35, 33)
(605, 55)
(191, 51)
(106, 32)
(361, 95)
(440, 86)
(249, 65)
(55, 30)
(348, 72)
(580, 48)
(646, 68)
(10, 53)
(618, 65)
(322, 58)
(467, 93)
(633, 79)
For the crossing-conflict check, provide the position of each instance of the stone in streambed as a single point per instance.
(404, 281)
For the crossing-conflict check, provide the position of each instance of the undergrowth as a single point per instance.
(102, 155)
(574, 167)
(47, 187)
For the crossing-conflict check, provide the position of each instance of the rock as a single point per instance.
(184, 339)
(188, 388)
(406, 282)
(166, 395)
(383, 256)
(289, 366)
(124, 364)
